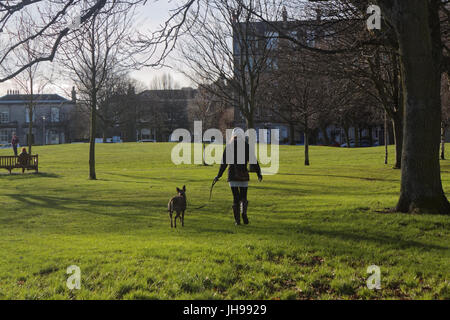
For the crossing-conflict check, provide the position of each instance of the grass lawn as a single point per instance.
(313, 230)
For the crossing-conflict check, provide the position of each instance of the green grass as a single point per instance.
(313, 230)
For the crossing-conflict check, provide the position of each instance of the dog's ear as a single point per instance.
(178, 190)
(184, 188)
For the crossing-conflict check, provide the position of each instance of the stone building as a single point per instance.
(51, 117)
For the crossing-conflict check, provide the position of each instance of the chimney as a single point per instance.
(74, 95)
(234, 17)
(284, 14)
(318, 15)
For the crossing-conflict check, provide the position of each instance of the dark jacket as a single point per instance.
(23, 158)
(15, 141)
(233, 164)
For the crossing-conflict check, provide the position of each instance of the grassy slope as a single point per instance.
(313, 232)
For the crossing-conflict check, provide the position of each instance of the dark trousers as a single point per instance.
(239, 194)
(15, 149)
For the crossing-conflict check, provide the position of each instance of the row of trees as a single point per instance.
(397, 69)
(403, 62)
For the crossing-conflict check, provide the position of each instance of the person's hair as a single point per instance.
(236, 133)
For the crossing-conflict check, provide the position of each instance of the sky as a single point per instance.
(150, 16)
(153, 15)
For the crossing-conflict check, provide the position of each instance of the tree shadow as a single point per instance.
(339, 176)
(67, 205)
(28, 175)
(394, 242)
(354, 236)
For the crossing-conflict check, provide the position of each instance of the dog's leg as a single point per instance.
(170, 214)
(182, 219)
(175, 220)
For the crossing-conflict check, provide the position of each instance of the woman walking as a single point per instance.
(236, 158)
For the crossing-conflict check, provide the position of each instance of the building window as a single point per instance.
(272, 63)
(328, 35)
(252, 42)
(55, 114)
(293, 35)
(4, 117)
(145, 133)
(4, 136)
(54, 137)
(27, 115)
(310, 38)
(272, 40)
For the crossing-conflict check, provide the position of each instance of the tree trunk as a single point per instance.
(306, 137)
(356, 130)
(249, 122)
(326, 139)
(398, 139)
(442, 141)
(347, 138)
(203, 153)
(386, 137)
(104, 129)
(30, 110)
(93, 128)
(292, 134)
(370, 136)
(416, 23)
(30, 127)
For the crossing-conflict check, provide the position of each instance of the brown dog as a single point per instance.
(177, 204)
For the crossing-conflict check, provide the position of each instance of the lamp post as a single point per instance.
(43, 130)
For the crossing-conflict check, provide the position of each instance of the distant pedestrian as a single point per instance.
(238, 174)
(14, 143)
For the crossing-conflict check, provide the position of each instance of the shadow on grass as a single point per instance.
(207, 223)
(28, 175)
(287, 189)
(356, 237)
(97, 207)
(377, 237)
(163, 179)
(339, 176)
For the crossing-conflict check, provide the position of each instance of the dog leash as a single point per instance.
(211, 189)
(210, 193)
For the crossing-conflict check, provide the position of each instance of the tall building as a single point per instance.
(256, 48)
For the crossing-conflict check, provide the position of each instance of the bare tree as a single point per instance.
(164, 82)
(225, 47)
(210, 109)
(423, 58)
(295, 93)
(420, 46)
(92, 56)
(117, 104)
(32, 80)
(57, 20)
(445, 100)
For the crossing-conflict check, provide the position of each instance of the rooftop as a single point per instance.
(176, 94)
(38, 98)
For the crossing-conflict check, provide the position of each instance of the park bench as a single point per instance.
(11, 162)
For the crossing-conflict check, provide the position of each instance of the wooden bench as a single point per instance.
(11, 162)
